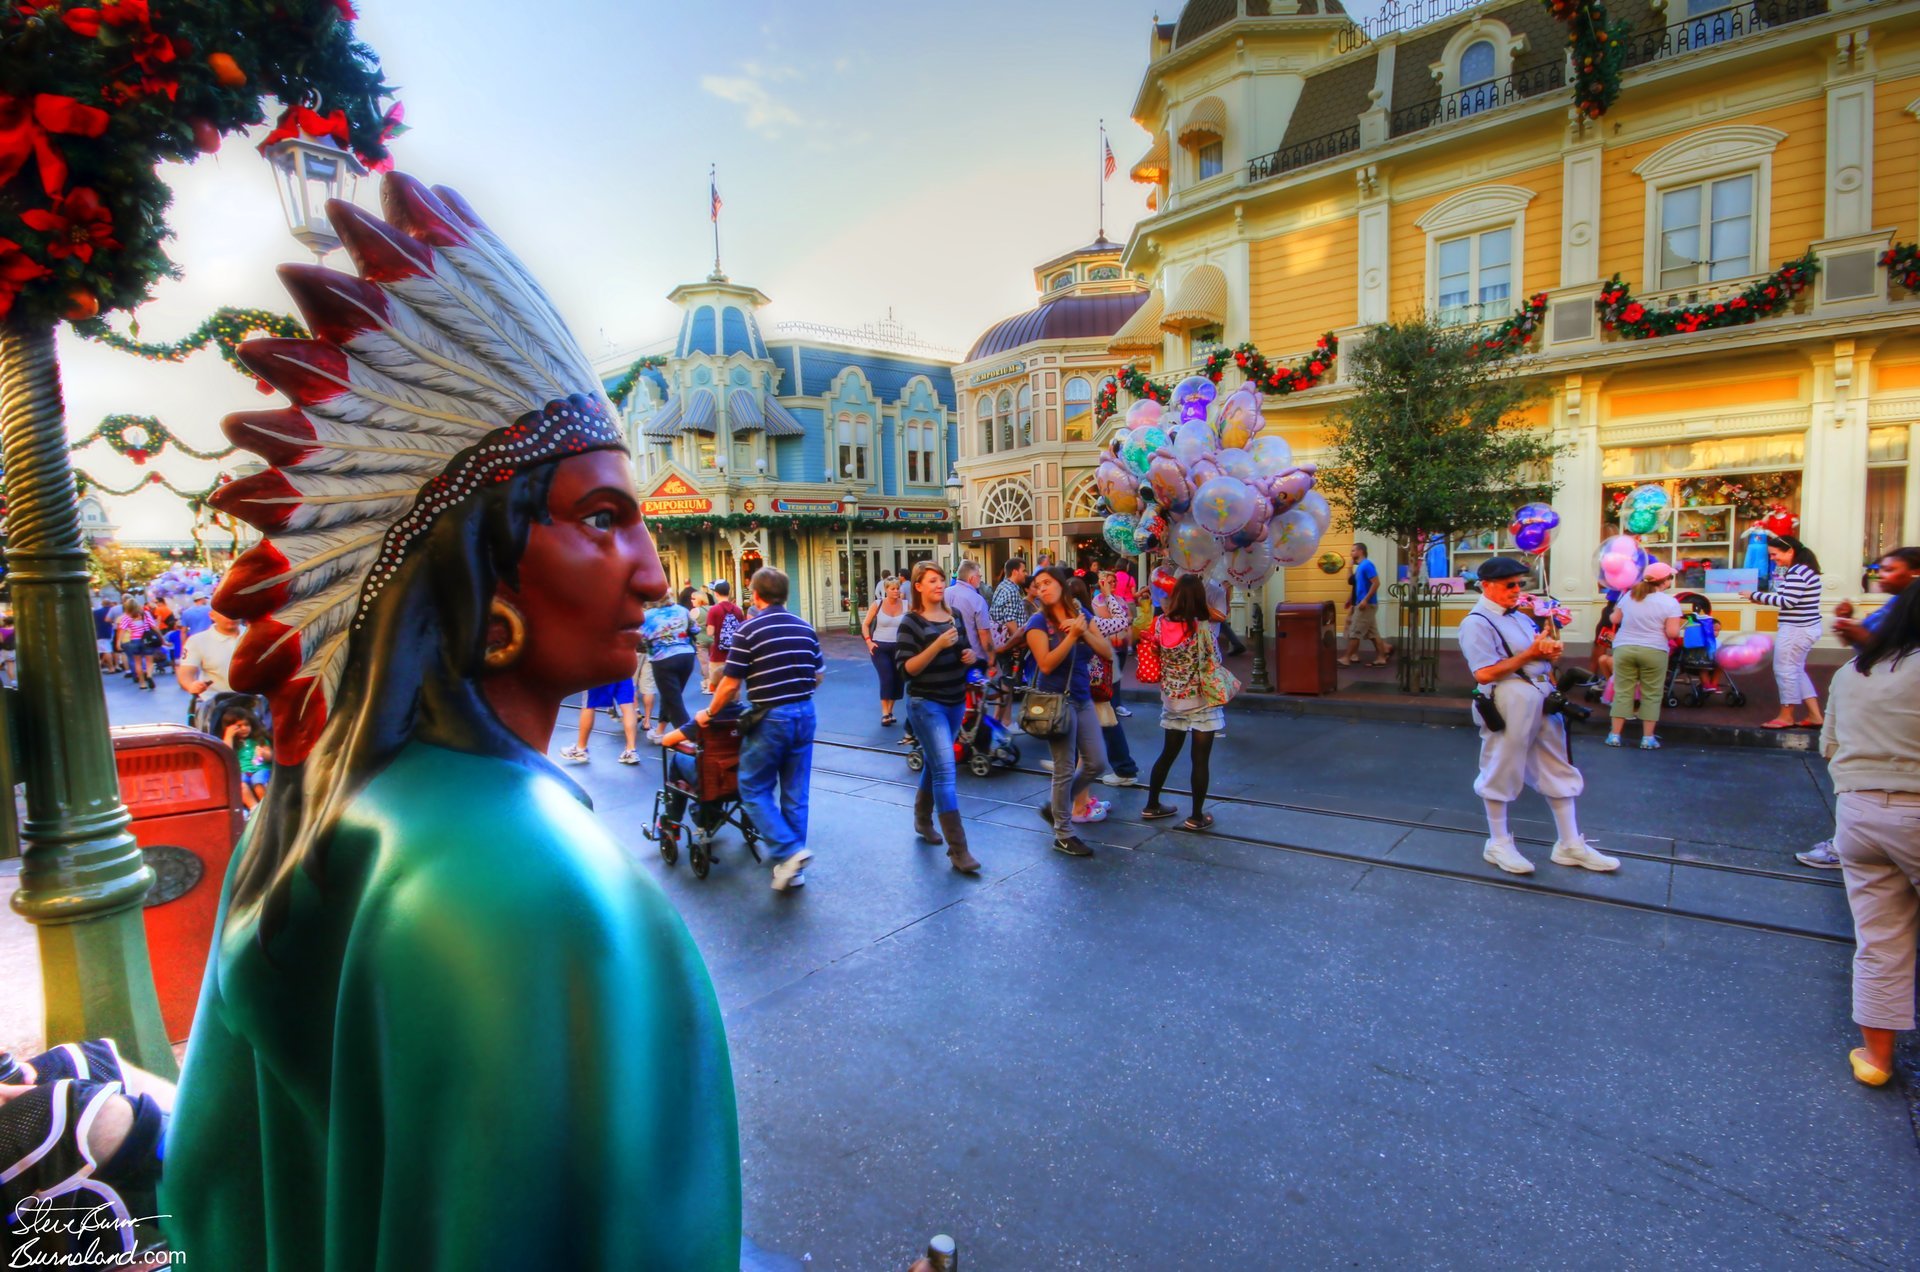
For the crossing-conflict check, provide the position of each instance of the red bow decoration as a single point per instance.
(24, 129)
(17, 269)
(296, 121)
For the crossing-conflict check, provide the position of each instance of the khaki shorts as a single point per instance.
(1360, 623)
(646, 678)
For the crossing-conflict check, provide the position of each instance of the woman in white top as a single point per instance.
(881, 627)
(1796, 591)
(1872, 745)
(1649, 622)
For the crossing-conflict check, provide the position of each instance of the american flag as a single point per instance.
(713, 189)
(1110, 164)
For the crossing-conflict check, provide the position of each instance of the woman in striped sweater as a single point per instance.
(1796, 591)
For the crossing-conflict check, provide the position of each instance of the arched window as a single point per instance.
(983, 410)
(1026, 415)
(920, 438)
(1005, 412)
(1076, 415)
(1477, 89)
(854, 434)
(1007, 503)
(1080, 497)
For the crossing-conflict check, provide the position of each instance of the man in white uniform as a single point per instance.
(1512, 662)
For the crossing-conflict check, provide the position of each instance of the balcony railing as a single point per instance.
(1721, 26)
(1468, 103)
(1302, 154)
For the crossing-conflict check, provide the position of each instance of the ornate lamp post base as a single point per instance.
(1258, 680)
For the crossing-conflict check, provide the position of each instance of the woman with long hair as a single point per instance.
(139, 640)
(1184, 640)
(1064, 643)
(668, 631)
(935, 658)
(446, 1023)
(1649, 621)
(1796, 592)
(1872, 743)
(881, 630)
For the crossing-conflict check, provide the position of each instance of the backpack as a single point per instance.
(728, 626)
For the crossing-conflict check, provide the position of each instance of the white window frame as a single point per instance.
(1067, 400)
(1003, 416)
(1023, 410)
(1446, 71)
(1200, 173)
(1475, 211)
(854, 453)
(983, 421)
(1730, 150)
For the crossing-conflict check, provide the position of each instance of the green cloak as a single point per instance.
(488, 1043)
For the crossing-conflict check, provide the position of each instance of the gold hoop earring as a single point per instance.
(499, 657)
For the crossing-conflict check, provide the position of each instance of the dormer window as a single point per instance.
(1062, 279)
(1477, 91)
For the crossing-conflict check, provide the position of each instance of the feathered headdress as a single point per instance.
(441, 368)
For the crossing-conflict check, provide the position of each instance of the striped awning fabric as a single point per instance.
(1201, 300)
(665, 422)
(1206, 122)
(699, 411)
(781, 422)
(1152, 168)
(1141, 333)
(743, 411)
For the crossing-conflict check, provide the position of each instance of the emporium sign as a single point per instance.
(995, 373)
(674, 497)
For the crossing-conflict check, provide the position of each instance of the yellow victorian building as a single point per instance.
(1309, 175)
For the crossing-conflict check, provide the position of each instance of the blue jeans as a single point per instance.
(779, 750)
(934, 724)
(1119, 755)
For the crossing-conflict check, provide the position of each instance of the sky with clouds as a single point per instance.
(873, 158)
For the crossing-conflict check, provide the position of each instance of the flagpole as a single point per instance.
(1100, 166)
(713, 184)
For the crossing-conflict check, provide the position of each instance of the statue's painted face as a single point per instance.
(585, 578)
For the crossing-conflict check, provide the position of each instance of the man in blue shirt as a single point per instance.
(776, 659)
(1363, 608)
(197, 617)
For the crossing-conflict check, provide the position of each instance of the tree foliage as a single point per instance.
(1434, 440)
(122, 567)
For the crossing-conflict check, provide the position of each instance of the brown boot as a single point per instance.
(957, 844)
(923, 817)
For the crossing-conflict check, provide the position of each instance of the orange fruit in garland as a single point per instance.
(226, 71)
(81, 304)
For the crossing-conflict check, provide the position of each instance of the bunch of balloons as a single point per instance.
(1533, 527)
(1743, 653)
(1621, 562)
(1209, 488)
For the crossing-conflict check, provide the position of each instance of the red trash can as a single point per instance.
(1303, 647)
(183, 789)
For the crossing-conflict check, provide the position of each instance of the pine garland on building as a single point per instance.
(151, 437)
(792, 522)
(1599, 48)
(1272, 379)
(224, 331)
(1622, 314)
(623, 387)
(1516, 333)
(1902, 263)
(84, 481)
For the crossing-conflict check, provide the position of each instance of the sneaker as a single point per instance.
(1114, 779)
(1096, 811)
(574, 755)
(1071, 845)
(1613, 739)
(1047, 764)
(628, 757)
(1581, 853)
(1650, 743)
(786, 871)
(1502, 853)
(1821, 856)
(1122, 711)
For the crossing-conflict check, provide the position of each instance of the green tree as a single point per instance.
(119, 566)
(1435, 440)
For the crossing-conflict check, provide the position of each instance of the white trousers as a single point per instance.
(1530, 751)
(1790, 649)
(1878, 838)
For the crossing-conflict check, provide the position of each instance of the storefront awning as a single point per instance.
(743, 411)
(680, 413)
(699, 412)
(1206, 122)
(664, 422)
(1141, 332)
(1152, 168)
(781, 422)
(1200, 302)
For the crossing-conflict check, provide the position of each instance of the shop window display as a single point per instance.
(1715, 521)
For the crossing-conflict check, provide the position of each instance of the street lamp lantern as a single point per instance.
(850, 503)
(954, 492)
(307, 173)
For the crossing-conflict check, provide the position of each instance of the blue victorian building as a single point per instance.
(825, 453)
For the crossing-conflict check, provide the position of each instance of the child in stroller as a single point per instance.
(700, 774)
(983, 743)
(1692, 671)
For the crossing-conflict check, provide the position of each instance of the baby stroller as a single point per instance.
(700, 793)
(1692, 674)
(983, 743)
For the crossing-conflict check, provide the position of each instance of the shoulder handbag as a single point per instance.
(1043, 714)
(1217, 685)
(1147, 657)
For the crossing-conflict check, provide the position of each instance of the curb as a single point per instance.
(1452, 712)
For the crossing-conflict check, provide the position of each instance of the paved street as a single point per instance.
(1325, 1034)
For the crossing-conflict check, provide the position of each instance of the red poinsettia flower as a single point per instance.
(84, 23)
(152, 52)
(76, 225)
(1317, 368)
(1633, 313)
(17, 269)
(124, 13)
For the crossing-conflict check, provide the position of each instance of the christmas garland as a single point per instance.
(623, 387)
(1902, 262)
(84, 481)
(1516, 332)
(1621, 313)
(154, 438)
(1278, 380)
(1599, 49)
(792, 522)
(225, 330)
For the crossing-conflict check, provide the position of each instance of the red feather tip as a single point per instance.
(417, 210)
(281, 437)
(264, 501)
(241, 594)
(380, 252)
(337, 306)
(307, 371)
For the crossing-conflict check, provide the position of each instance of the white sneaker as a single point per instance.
(1047, 765)
(785, 872)
(574, 755)
(1121, 711)
(1114, 779)
(1581, 853)
(1502, 853)
(628, 757)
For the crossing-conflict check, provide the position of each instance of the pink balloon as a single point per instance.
(1743, 653)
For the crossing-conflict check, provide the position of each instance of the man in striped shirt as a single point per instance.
(776, 659)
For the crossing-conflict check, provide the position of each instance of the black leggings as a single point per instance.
(670, 677)
(1169, 752)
